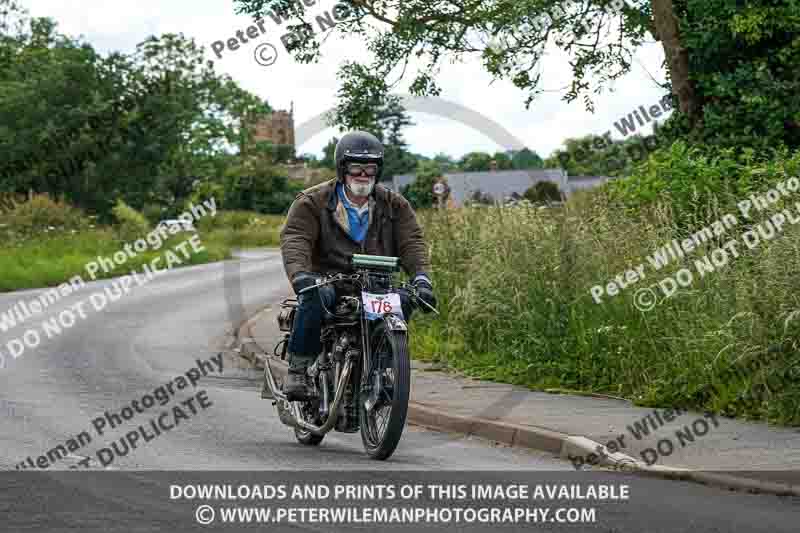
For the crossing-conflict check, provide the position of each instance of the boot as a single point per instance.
(298, 387)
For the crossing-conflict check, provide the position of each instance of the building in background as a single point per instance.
(502, 185)
(277, 128)
(578, 183)
(499, 185)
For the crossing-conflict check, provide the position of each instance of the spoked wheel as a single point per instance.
(382, 411)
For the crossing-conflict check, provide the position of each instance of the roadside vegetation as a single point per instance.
(514, 286)
(44, 243)
(124, 141)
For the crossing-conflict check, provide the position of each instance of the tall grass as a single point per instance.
(516, 307)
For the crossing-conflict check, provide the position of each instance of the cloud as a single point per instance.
(312, 88)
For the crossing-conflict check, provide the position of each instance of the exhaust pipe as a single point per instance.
(289, 412)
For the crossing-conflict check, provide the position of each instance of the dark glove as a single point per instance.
(425, 293)
(302, 280)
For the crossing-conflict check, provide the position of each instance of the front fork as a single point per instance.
(371, 392)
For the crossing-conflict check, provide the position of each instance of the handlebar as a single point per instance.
(327, 280)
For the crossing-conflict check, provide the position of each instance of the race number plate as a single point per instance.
(377, 305)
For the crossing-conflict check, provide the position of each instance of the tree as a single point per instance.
(732, 66)
(475, 162)
(420, 192)
(446, 163)
(526, 159)
(254, 186)
(140, 127)
(329, 154)
(593, 155)
(311, 159)
(385, 118)
(508, 35)
(392, 119)
(503, 161)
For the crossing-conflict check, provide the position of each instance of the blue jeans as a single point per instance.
(304, 342)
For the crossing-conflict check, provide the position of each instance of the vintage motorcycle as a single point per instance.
(362, 378)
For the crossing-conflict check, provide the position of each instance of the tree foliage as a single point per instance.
(508, 36)
(732, 66)
(329, 159)
(420, 192)
(385, 118)
(141, 127)
(593, 155)
(526, 159)
(475, 162)
(744, 60)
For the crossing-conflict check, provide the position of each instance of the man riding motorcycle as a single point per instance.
(329, 223)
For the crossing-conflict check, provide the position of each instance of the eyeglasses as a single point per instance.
(357, 169)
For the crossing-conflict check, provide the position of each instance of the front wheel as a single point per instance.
(384, 404)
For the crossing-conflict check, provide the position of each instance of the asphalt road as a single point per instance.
(154, 334)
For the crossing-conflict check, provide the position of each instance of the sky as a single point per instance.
(543, 127)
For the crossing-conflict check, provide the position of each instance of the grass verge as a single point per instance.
(49, 259)
(514, 288)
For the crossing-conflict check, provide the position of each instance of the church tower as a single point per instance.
(277, 128)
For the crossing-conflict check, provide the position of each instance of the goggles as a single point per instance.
(357, 169)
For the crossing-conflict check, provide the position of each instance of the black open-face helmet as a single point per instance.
(358, 147)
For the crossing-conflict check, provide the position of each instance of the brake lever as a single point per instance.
(413, 292)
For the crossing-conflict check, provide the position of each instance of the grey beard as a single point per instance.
(361, 190)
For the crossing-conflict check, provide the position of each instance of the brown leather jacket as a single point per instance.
(316, 238)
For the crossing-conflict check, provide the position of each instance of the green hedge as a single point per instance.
(514, 288)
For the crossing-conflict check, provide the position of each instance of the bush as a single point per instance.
(242, 229)
(41, 215)
(478, 197)
(8, 202)
(153, 213)
(232, 220)
(543, 192)
(698, 184)
(205, 190)
(419, 192)
(131, 224)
